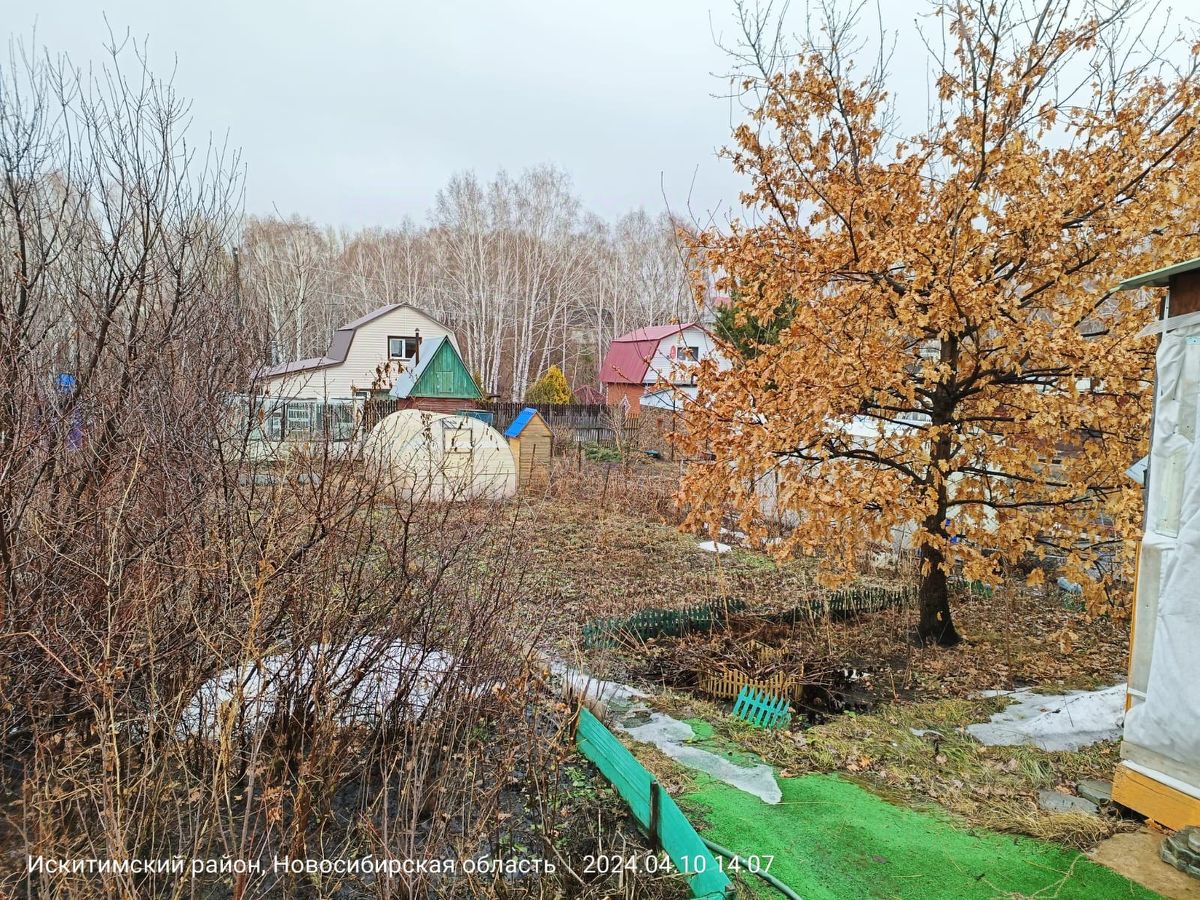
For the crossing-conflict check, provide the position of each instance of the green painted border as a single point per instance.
(633, 782)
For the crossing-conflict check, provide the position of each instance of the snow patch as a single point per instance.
(358, 681)
(668, 734)
(1054, 721)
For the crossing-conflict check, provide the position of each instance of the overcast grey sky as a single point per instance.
(354, 113)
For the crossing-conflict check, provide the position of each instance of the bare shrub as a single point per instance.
(203, 654)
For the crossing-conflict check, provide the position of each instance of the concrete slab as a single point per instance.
(1053, 801)
(1099, 792)
(1135, 855)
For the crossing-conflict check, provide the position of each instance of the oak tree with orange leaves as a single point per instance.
(956, 361)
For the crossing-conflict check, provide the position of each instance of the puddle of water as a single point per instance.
(628, 713)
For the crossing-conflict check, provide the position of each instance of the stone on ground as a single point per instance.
(1099, 792)
(1053, 801)
(1181, 851)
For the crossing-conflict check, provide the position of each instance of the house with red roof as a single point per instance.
(648, 361)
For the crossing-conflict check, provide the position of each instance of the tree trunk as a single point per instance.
(935, 625)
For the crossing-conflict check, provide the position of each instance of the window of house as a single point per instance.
(300, 418)
(688, 353)
(404, 348)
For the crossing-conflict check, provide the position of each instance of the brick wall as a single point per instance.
(614, 393)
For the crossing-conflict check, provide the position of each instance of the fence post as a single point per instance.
(655, 816)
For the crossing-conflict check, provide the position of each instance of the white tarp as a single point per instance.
(358, 682)
(1054, 721)
(1167, 722)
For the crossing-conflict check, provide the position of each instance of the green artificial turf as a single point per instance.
(833, 840)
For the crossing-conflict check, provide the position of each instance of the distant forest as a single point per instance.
(517, 267)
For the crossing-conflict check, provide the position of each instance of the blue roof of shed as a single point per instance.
(519, 423)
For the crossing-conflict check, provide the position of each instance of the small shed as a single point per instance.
(1159, 773)
(531, 443)
(434, 457)
(439, 382)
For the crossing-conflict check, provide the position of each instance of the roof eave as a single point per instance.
(1159, 277)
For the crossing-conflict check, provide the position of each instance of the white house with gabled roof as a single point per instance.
(364, 357)
(657, 359)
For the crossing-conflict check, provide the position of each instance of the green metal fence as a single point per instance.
(843, 604)
(654, 622)
(977, 588)
(652, 807)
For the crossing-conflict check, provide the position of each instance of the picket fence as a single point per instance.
(761, 709)
(655, 622)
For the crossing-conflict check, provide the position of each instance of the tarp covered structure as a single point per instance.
(1160, 775)
(1163, 727)
(435, 457)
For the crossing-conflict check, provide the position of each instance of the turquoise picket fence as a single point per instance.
(761, 709)
(653, 809)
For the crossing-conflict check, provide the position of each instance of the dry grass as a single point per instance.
(606, 550)
(602, 543)
(992, 787)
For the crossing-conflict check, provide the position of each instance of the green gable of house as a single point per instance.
(445, 376)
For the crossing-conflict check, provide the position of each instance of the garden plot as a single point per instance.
(779, 659)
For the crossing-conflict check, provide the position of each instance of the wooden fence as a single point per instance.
(571, 423)
(574, 423)
(594, 415)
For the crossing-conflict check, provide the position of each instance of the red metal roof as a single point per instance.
(654, 332)
(589, 394)
(629, 356)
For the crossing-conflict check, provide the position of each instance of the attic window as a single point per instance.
(688, 353)
(403, 348)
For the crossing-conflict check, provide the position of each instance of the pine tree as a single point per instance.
(746, 331)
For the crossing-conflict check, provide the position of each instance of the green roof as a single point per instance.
(440, 373)
(1159, 277)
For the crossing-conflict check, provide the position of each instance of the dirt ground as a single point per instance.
(1135, 855)
(604, 543)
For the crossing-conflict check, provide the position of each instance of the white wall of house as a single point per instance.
(678, 369)
(368, 350)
